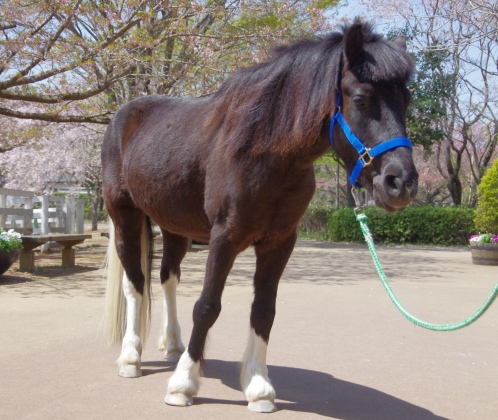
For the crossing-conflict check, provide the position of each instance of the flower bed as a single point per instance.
(10, 240)
(484, 248)
(484, 238)
(10, 247)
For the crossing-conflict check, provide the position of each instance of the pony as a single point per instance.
(235, 169)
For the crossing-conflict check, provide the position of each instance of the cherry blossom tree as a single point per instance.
(66, 66)
(56, 55)
(64, 151)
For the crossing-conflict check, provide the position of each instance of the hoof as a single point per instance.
(262, 406)
(130, 371)
(178, 400)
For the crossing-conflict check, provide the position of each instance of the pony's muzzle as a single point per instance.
(396, 186)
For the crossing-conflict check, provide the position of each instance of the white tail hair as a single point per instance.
(114, 322)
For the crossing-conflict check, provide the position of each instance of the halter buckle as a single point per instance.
(366, 157)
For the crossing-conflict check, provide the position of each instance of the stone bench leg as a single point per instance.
(68, 259)
(27, 261)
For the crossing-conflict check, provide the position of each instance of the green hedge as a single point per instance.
(424, 225)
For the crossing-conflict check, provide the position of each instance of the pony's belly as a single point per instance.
(182, 217)
(175, 205)
(190, 227)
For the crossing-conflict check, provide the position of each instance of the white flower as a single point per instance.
(17, 235)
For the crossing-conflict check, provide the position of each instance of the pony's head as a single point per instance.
(372, 102)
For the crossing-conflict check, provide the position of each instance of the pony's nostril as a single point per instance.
(401, 186)
(393, 182)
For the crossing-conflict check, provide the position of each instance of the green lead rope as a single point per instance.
(362, 218)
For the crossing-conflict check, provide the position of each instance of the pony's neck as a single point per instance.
(279, 107)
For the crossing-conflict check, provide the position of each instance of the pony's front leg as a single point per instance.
(129, 361)
(254, 379)
(185, 382)
(256, 385)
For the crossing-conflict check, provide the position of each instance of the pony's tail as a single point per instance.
(114, 323)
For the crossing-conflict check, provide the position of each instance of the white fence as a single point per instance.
(55, 215)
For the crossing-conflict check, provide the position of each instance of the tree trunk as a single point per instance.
(455, 189)
(453, 165)
(337, 189)
(95, 213)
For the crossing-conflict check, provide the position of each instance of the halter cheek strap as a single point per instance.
(366, 155)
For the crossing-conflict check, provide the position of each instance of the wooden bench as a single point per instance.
(30, 242)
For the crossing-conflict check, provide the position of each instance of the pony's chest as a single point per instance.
(265, 210)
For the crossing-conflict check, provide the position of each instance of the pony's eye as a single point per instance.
(359, 101)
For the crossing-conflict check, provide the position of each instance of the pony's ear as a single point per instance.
(400, 41)
(353, 42)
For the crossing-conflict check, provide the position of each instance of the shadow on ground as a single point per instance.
(309, 391)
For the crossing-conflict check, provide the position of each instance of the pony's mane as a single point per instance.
(283, 103)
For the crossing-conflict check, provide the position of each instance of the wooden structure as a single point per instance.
(67, 241)
(484, 254)
(58, 219)
(16, 206)
(55, 215)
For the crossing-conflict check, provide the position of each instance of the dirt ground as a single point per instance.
(339, 349)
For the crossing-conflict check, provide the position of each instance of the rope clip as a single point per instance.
(355, 192)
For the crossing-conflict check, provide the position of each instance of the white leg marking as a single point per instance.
(256, 385)
(129, 361)
(171, 336)
(184, 383)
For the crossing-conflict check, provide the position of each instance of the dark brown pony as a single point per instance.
(235, 169)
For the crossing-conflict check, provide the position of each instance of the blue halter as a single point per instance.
(367, 155)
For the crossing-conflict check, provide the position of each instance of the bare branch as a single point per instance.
(5, 26)
(72, 96)
(47, 48)
(50, 73)
(96, 119)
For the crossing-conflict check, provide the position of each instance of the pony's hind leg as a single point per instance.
(131, 225)
(129, 360)
(270, 263)
(170, 340)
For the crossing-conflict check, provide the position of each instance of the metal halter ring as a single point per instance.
(369, 157)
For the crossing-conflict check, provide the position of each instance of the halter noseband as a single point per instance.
(367, 154)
